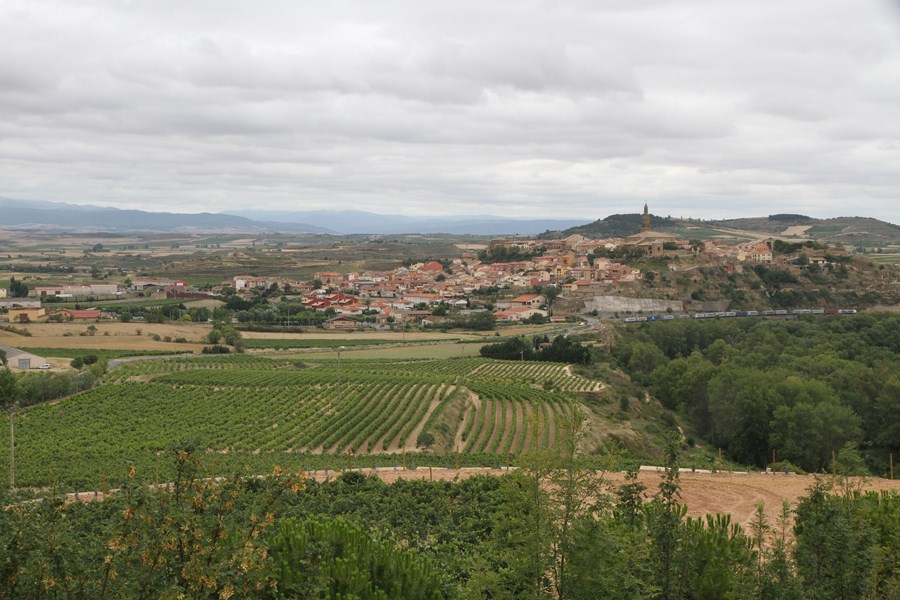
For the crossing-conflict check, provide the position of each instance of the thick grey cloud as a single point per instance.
(531, 108)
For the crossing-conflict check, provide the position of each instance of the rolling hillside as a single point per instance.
(852, 231)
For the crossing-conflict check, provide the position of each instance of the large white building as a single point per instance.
(93, 289)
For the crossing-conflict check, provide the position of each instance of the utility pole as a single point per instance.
(340, 390)
(12, 451)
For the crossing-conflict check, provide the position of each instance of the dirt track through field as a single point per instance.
(436, 395)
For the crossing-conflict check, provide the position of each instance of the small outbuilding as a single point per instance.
(26, 314)
(20, 359)
(85, 314)
(340, 322)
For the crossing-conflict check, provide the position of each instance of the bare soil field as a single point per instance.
(784, 236)
(398, 336)
(112, 336)
(188, 330)
(401, 352)
(796, 230)
(703, 493)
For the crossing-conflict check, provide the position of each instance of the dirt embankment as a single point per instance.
(703, 493)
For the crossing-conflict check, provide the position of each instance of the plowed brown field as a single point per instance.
(703, 493)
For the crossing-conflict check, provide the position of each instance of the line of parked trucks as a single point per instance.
(745, 313)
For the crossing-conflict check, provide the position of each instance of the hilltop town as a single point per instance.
(507, 280)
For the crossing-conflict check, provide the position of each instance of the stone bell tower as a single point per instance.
(645, 220)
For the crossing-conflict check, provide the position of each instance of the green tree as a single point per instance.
(683, 384)
(332, 558)
(17, 289)
(577, 492)
(741, 403)
(551, 293)
(833, 556)
(8, 390)
(644, 357)
(808, 433)
(425, 440)
(664, 516)
(776, 579)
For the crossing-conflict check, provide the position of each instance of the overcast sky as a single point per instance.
(564, 108)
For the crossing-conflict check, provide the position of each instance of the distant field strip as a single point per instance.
(290, 343)
(101, 353)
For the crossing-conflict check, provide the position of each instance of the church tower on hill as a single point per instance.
(645, 220)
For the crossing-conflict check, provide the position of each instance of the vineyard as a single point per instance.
(254, 412)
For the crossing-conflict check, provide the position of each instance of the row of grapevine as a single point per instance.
(244, 408)
(535, 373)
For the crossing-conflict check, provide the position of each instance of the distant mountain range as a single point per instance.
(59, 216)
(63, 217)
(355, 221)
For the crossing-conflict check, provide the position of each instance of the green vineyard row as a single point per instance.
(252, 411)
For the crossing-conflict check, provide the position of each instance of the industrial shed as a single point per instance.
(20, 359)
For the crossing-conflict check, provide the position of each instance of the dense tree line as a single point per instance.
(31, 388)
(17, 289)
(804, 388)
(483, 537)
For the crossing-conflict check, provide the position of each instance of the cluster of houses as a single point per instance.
(571, 266)
(411, 294)
(574, 266)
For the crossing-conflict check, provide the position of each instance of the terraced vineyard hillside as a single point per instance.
(255, 412)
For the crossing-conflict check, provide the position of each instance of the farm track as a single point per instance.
(433, 406)
(396, 444)
(470, 409)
